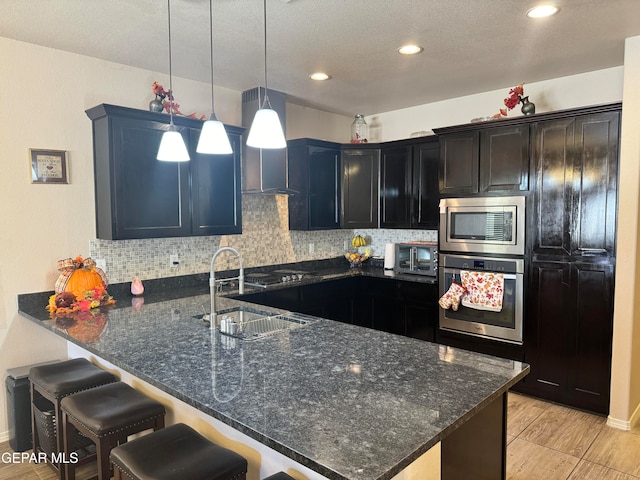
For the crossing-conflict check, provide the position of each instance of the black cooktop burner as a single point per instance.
(277, 276)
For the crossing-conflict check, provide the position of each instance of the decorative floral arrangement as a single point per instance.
(64, 303)
(167, 98)
(512, 101)
(80, 287)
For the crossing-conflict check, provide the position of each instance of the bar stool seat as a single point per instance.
(280, 476)
(107, 415)
(53, 382)
(176, 453)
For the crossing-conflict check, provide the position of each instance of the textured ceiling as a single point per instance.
(470, 46)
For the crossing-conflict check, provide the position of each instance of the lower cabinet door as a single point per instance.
(590, 367)
(568, 333)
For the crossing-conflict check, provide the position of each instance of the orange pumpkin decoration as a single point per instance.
(79, 276)
(82, 281)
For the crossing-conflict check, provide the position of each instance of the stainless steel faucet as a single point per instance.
(212, 281)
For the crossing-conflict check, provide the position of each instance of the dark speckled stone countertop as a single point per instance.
(348, 402)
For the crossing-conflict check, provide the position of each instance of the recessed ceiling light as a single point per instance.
(410, 49)
(542, 11)
(319, 76)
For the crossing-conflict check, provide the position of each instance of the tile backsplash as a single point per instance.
(265, 240)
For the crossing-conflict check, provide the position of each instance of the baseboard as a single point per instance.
(4, 436)
(619, 424)
(625, 424)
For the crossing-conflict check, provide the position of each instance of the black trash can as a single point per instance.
(19, 407)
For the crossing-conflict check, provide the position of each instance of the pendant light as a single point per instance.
(266, 129)
(213, 137)
(172, 146)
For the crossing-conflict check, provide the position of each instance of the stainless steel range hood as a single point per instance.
(264, 171)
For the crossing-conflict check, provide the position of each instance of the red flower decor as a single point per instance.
(65, 303)
(159, 91)
(512, 101)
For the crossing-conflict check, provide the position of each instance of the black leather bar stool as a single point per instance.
(177, 452)
(107, 415)
(280, 476)
(53, 382)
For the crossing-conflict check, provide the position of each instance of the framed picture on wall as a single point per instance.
(48, 166)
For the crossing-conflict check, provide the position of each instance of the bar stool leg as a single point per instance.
(103, 450)
(34, 432)
(67, 434)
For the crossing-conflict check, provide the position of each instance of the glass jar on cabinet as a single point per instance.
(359, 130)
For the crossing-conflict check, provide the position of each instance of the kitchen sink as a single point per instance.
(249, 324)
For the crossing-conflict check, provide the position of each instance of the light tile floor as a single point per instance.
(551, 442)
(545, 442)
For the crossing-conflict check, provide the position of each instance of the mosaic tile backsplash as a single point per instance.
(265, 240)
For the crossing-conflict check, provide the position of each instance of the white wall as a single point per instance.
(625, 381)
(592, 88)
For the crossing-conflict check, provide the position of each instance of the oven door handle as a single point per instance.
(455, 272)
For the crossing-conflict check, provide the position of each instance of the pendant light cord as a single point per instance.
(211, 30)
(170, 73)
(266, 95)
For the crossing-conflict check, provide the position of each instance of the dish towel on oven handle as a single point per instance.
(483, 290)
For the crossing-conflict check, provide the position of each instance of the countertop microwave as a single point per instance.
(417, 257)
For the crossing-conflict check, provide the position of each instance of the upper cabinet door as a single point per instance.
(360, 188)
(426, 196)
(504, 159)
(395, 187)
(553, 156)
(216, 190)
(576, 178)
(459, 163)
(150, 198)
(324, 188)
(314, 171)
(595, 184)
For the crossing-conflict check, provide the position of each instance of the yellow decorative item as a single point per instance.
(358, 241)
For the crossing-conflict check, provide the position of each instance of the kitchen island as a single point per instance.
(343, 402)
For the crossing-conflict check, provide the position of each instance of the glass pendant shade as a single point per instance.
(172, 147)
(213, 138)
(266, 130)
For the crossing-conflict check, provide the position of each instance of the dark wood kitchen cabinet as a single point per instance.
(484, 159)
(314, 171)
(568, 333)
(360, 176)
(572, 228)
(409, 193)
(138, 196)
(401, 307)
(576, 178)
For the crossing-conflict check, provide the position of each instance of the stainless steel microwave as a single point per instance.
(417, 257)
(483, 225)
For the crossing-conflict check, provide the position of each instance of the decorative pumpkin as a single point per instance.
(78, 276)
(80, 287)
(81, 281)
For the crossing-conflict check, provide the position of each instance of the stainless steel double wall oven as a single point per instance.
(484, 234)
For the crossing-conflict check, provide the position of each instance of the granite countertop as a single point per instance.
(348, 402)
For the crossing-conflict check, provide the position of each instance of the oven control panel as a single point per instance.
(465, 262)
